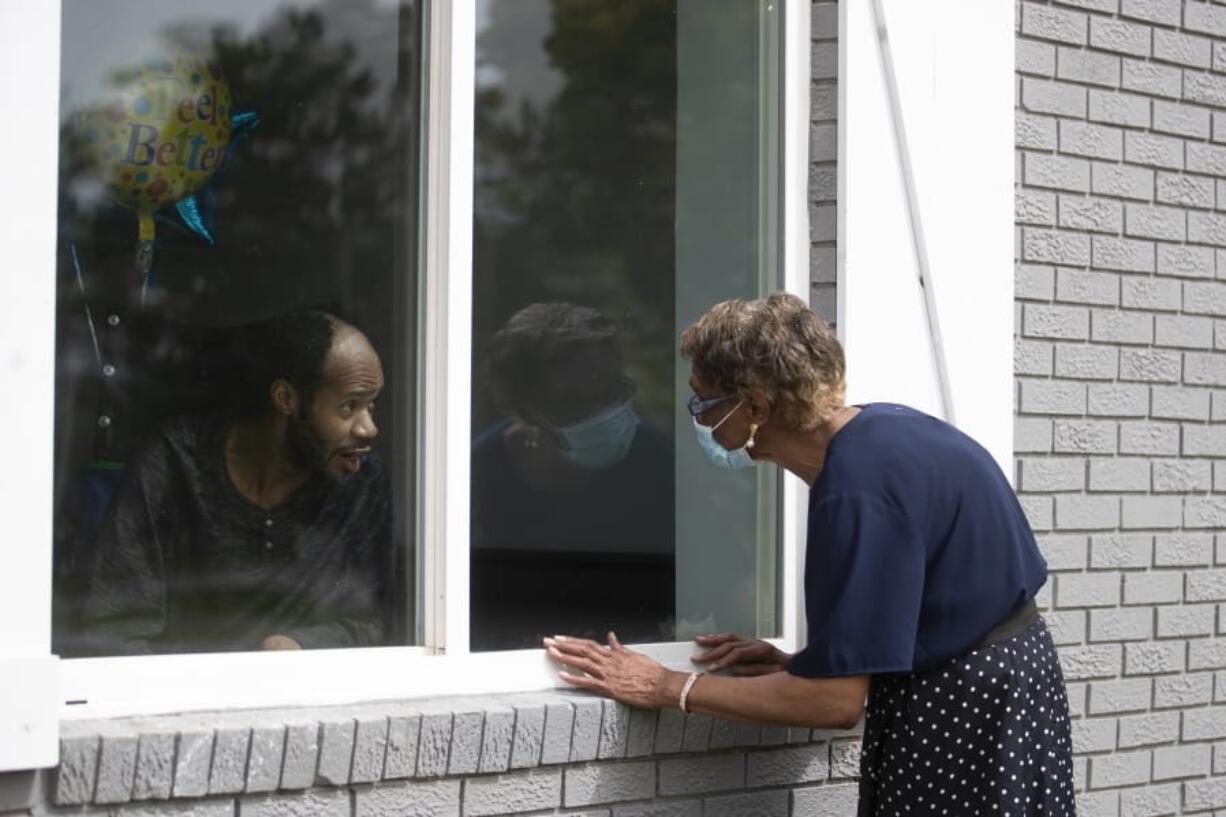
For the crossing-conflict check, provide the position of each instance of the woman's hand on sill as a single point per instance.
(615, 672)
(775, 697)
(279, 642)
(743, 656)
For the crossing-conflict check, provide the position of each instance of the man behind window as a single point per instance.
(269, 528)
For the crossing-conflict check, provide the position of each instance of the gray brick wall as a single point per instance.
(572, 754)
(823, 151)
(1120, 359)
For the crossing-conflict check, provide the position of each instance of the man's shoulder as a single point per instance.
(189, 434)
(180, 443)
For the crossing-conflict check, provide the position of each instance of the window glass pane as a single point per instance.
(236, 293)
(625, 181)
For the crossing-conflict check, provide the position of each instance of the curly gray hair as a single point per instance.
(776, 346)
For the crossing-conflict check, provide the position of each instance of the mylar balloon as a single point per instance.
(161, 134)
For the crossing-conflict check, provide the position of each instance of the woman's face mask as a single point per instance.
(724, 458)
(601, 441)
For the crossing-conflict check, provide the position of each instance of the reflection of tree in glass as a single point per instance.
(313, 200)
(306, 207)
(575, 199)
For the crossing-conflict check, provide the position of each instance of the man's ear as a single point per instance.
(759, 408)
(284, 397)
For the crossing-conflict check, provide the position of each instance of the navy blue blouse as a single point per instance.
(917, 547)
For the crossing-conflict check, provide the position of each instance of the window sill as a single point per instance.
(151, 685)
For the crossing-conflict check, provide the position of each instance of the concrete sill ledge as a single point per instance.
(252, 754)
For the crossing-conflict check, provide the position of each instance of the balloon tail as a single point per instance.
(144, 253)
(89, 316)
(144, 266)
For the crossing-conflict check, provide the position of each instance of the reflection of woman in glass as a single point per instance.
(570, 484)
(920, 578)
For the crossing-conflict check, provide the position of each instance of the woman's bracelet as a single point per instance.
(685, 691)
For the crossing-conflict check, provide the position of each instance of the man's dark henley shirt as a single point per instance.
(183, 562)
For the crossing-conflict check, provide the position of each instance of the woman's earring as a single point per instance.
(753, 429)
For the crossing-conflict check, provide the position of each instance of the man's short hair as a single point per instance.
(291, 347)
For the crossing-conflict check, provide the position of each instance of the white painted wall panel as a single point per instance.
(956, 107)
(881, 308)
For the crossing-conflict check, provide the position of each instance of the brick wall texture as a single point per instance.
(534, 754)
(1120, 363)
(823, 150)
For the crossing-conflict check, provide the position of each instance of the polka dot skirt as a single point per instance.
(984, 734)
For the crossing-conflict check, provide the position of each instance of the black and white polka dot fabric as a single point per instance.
(984, 734)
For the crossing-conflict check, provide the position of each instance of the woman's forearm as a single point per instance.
(778, 698)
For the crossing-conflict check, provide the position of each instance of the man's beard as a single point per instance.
(306, 449)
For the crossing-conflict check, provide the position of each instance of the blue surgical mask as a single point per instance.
(601, 441)
(736, 458)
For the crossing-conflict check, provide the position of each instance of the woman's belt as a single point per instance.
(1021, 619)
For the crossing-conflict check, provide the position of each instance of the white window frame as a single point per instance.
(108, 687)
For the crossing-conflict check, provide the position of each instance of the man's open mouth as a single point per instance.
(352, 458)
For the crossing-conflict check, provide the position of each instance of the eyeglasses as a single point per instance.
(698, 407)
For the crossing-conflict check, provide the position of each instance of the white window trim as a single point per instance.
(109, 687)
(796, 77)
(29, 83)
(446, 388)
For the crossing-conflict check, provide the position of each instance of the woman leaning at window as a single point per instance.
(920, 578)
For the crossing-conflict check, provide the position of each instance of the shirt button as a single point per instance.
(112, 320)
(268, 523)
(104, 422)
(267, 544)
(108, 370)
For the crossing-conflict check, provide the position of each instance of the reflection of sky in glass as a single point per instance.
(100, 37)
(511, 52)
